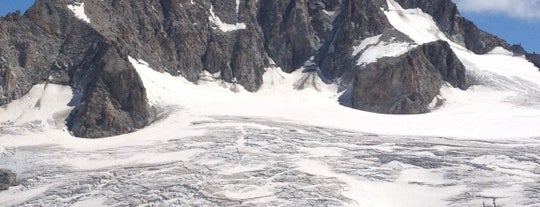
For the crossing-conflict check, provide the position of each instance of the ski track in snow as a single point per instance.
(244, 161)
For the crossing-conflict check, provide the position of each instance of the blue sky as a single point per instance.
(515, 31)
(13, 5)
(517, 21)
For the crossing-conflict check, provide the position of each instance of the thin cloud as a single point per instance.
(522, 9)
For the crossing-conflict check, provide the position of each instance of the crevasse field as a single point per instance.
(291, 143)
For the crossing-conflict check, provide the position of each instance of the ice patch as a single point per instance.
(218, 24)
(323, 151)
(92, 202)
(329, 13)
(370, 41)
(78, 9)
(17, 195)
(383, 49)
(91, 163)
(509, 165)
(247, 193)
(368, 193)
(241, 168)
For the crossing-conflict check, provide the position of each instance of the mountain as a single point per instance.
(353, 44)
(264, 103)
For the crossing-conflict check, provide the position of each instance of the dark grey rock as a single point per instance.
(179, 38)
(294, 31)
(518, 50)
(356, 21)
(114, 101)
(534, 58)
(7, 179)
(407, 84)
(22, 65)
(50, 45)
(290, 39)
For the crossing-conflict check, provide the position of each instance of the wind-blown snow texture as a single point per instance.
(215, 144)
(241, 161)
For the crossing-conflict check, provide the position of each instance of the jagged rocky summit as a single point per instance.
(86, 44)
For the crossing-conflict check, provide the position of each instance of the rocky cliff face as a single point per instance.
(409, 83)
(185, 38)
(114, 101)
(534, 58)
(51, 43)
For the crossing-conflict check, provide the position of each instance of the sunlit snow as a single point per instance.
(373, 48)
(78, 10)
(218, 24)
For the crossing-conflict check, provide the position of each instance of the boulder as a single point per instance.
(409, 83)
(7, 179)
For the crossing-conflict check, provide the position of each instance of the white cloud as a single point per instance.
(523, 9)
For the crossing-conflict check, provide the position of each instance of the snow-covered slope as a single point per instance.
(44, 105)
(483, 112)
(503, 106)
(421, 27)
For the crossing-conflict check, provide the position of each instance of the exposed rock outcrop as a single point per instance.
(531, 57)
(7, 179)
(49, 44)
(114, 100)
(184, 38)
(409, 83)
(534, 58)
(357, 21)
